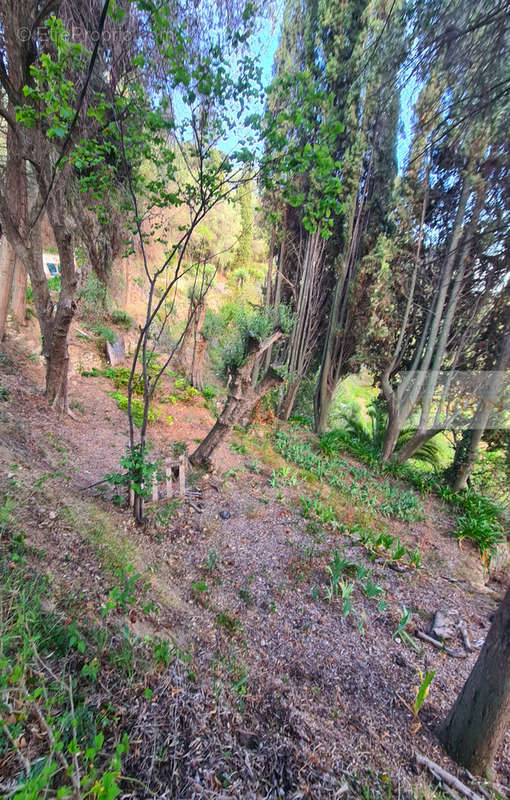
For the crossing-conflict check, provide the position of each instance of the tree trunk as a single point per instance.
(56, 332)
(480, 717)
(408, 449)
(13, 285)
(391, 437)
(241, 400)
(481, 418)
(196, 374)
(19, 292)
(6, 276)
(287, 403)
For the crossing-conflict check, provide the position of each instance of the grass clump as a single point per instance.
(53, 743)
(103, 332)
(119, 317)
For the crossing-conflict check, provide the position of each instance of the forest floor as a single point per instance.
(276, 691)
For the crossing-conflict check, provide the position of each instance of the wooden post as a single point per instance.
(131, 496)
(169, 486)
(155, 493)
(182, 476)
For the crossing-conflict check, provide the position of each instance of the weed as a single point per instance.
(483, 530)
(77, 406)
(423, 689)
(246, 597)
(212, 562)
(229, 623)
(208, 393)
(371, 589)
(162, 652)
(4, 394)
(179, 448)
(120, 597)
(137, 408)
(200, 587)
(400, 631)
(239, 448)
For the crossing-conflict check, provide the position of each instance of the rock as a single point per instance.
(445, 625)
(116, 352)
(225, 514)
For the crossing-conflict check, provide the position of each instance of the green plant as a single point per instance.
(212, 562)
(423, 689)
(246, 597)
(139, 471)
(136, 408)
(162, 652)
(199, 586)
(119, 317)
(485, 531)
(372, 589)
(179, 448)
(229, 622)
(77, 406)
(400, 631)
(209, 393)
(71, 756)
(123, 595)
(54, 283)
(95, 300)
(4, 394)
(103, 332)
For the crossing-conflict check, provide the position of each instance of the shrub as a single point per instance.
(119, 317)
(96, 302)
(136, 408)
(103, 332)
(54, 283)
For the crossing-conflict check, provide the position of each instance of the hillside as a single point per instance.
(246, 639)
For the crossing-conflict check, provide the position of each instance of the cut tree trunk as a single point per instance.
(480, 717)
(242, 398)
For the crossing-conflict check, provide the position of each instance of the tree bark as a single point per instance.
(6, 277)
(480, 717)
(196, 377)
(19, 292)
(241, 400)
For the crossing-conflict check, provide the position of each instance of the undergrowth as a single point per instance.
(355, 483)
(480, 518)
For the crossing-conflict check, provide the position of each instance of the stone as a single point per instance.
(445, 624)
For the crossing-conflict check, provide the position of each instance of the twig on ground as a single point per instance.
(446, 778)
(440, 646)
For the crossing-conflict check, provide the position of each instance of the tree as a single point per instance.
(374, 51)
(153, 146)
(53, 132)
(480, 717)
(243, 396)
(243, 254)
